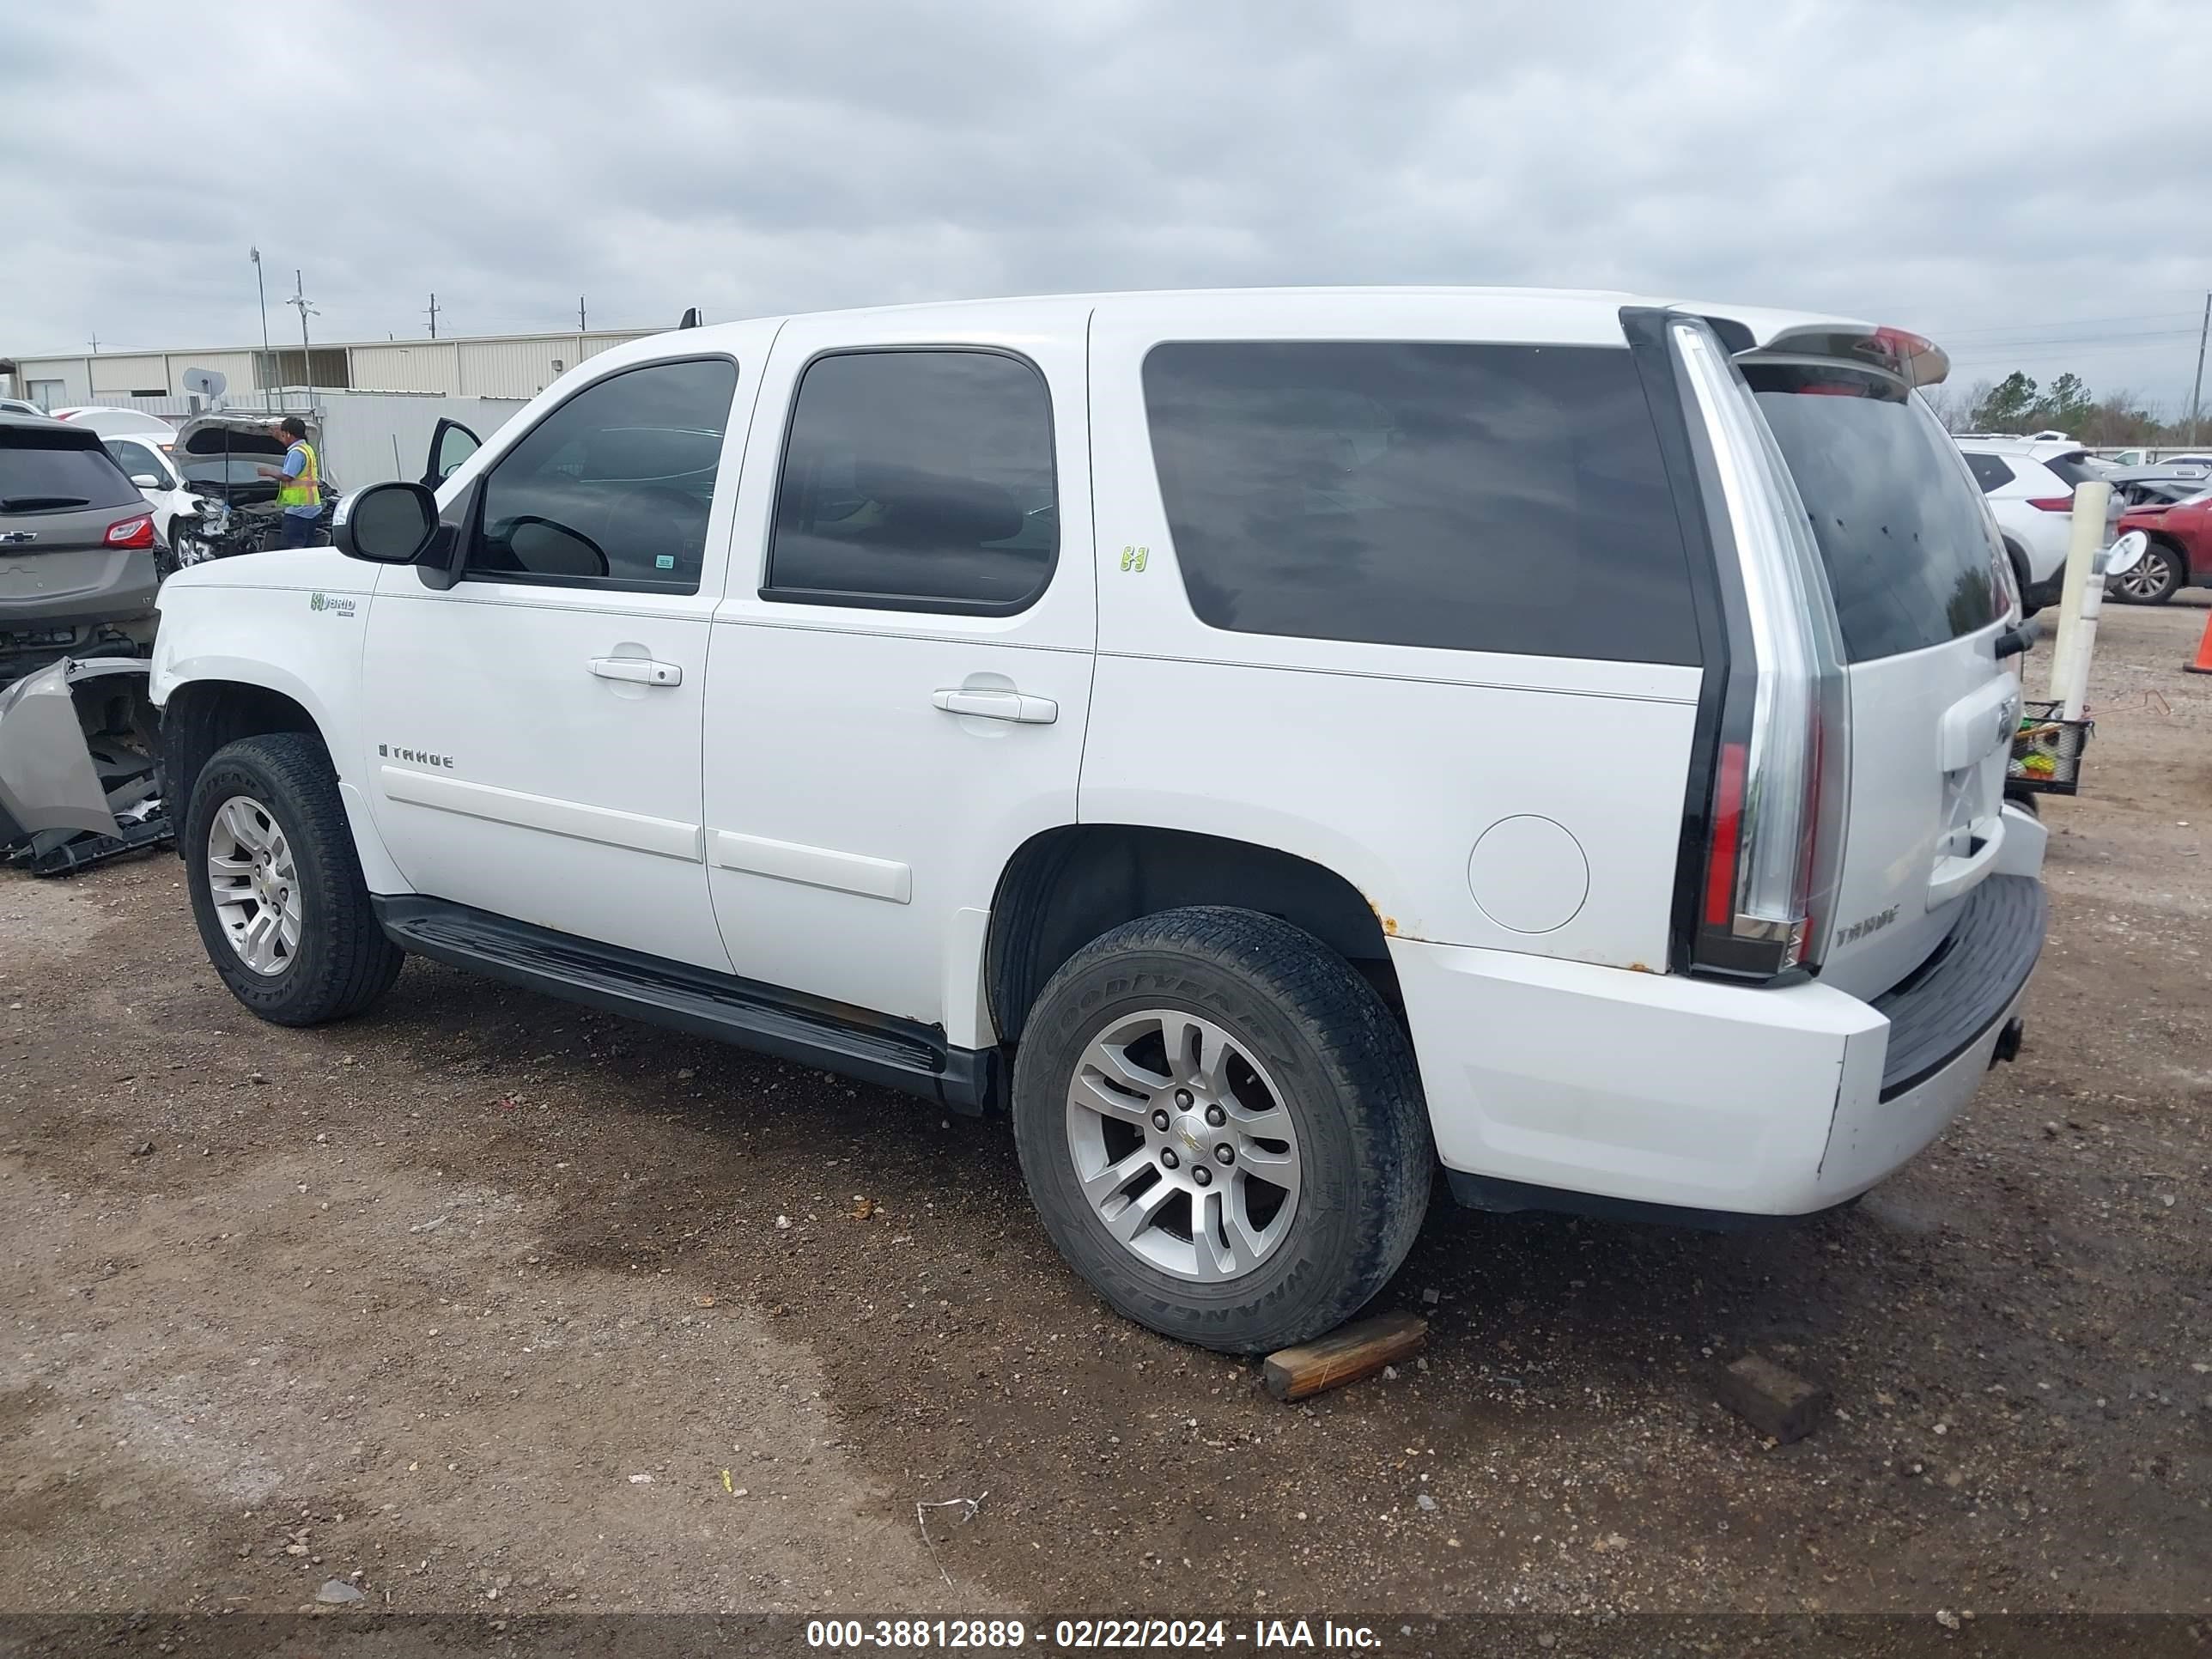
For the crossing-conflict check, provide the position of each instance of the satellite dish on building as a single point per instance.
(205, 383)
(691, 318)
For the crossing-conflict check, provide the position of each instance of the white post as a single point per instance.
(2080, 597)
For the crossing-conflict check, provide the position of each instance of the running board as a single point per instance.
(851, 1042)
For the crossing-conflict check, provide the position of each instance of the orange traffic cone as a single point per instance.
(2203, 663)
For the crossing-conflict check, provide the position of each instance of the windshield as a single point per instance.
(52, 471)
(1912, 556)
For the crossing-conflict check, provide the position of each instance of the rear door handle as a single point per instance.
(995, 705)
(640, 670)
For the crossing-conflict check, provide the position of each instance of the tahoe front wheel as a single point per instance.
(276, 885)
(1222, 1128)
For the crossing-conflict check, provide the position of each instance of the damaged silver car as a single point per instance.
(81, 565)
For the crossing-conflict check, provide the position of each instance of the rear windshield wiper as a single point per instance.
(36, 503)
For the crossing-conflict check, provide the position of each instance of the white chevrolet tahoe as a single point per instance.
(1269, 744)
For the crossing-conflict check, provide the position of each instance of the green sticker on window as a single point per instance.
(664, 562)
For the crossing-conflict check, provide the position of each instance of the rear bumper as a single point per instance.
(1560, 1084)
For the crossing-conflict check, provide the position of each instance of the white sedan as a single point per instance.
(145, 459)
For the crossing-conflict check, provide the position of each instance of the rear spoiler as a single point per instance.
(1905, 357)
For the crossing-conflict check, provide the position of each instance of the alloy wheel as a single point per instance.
(2149, 578)
(1182, 1146)
(255, 885)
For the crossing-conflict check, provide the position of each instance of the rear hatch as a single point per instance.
(1921, 596)
(76, 545)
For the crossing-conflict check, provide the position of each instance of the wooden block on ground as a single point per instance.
(1774, 1402)
(1345, 1355)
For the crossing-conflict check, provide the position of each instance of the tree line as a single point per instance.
(2017, 404)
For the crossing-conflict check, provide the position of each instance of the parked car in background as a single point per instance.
(147, 461)
(1269, 743)
(2181, 552)
(2032, 502)
(113, 423)
(78, 549)
(18, 406)
(80, 565)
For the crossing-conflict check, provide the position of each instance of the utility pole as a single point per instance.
(95, 352)
(307, 362)
(433, 315)
(268, 357)
(2196, 392)
(580, 314)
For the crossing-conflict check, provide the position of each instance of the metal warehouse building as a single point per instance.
(481, 366)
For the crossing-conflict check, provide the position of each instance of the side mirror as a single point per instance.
(147, 480)
(2125, 554)
(386, 523)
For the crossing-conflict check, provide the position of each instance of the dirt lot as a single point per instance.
(485, 1302)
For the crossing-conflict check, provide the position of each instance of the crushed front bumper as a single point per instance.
(79, 764)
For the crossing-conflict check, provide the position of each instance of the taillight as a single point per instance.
(2052, 503)
(131, 532)
(1726, 839)
(1773, 818)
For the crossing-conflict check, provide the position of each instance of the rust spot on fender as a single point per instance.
(1389, 923)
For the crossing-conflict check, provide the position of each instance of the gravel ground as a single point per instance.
(483, 1302)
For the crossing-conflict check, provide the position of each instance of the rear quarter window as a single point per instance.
(1912, 556)
(1990, 471)
(1501, 498)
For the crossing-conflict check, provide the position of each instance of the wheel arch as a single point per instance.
(200, 714)
(1065, 886)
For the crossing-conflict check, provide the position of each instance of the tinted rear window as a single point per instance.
(53, 472)
(1909, 551)
(1504, 498)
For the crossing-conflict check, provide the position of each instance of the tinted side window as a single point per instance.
(614, 488)
(916, 480)
(1990, 471)
(1472, 497)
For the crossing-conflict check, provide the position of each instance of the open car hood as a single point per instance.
(236, 434)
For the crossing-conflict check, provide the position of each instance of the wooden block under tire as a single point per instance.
(1345, 1355)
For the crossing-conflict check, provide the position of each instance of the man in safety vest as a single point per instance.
(300, 484)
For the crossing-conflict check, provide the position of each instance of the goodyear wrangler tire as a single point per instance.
(1222, 1128)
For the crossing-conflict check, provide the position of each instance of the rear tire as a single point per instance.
(2157, 578)
(1295, 1128)
(289, 929)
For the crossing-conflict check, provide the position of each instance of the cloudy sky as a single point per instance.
(2029, 183)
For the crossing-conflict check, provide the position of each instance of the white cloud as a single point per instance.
(1980, 171)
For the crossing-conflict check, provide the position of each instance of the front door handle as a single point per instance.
(995, 705)
(640, 670)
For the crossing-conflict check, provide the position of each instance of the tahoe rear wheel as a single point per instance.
(1222, 1129)
(276, 887)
